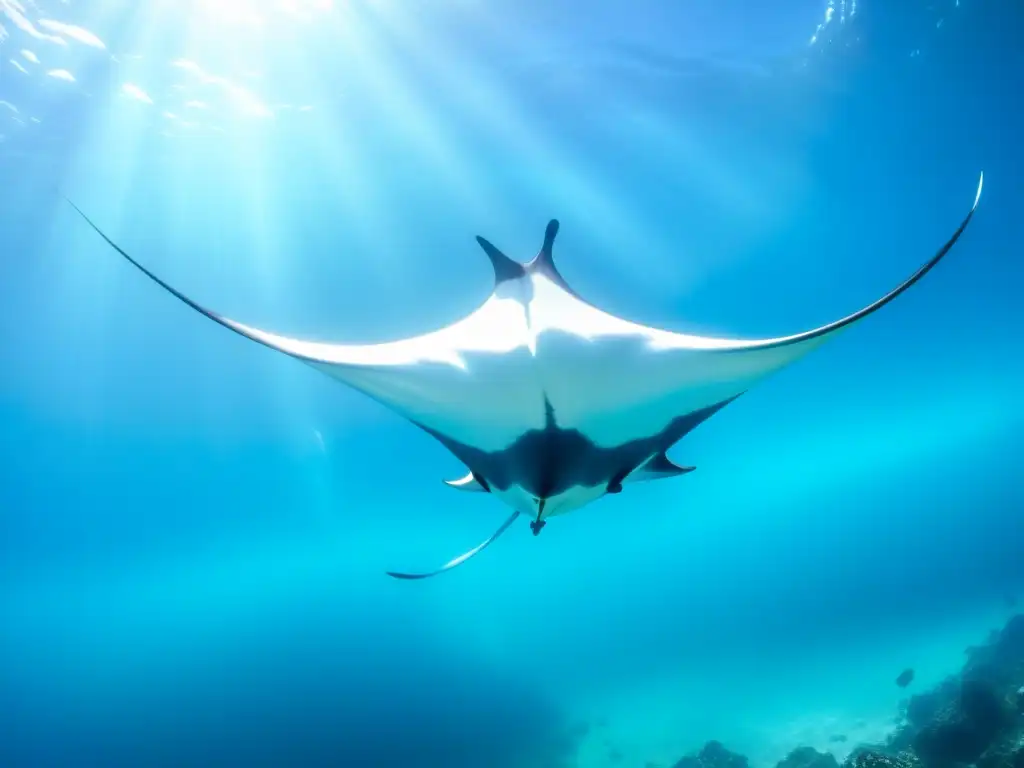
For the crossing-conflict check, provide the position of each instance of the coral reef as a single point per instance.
(806, 757)
(974, 718)
(714, 755)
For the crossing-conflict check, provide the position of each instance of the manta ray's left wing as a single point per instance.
(465, 382)
(461, 381)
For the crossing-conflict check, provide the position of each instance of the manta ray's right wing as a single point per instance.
(808, 337)
(659, 383)
(748, 361)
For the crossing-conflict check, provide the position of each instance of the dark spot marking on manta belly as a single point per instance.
(549, 461)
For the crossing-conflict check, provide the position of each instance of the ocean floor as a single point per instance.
(763, 708)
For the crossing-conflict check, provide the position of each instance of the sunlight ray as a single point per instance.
(105, 169)
(411, 113)
(233, 141)
(560, 178)
(346, 173)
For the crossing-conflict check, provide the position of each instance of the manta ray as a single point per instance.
(548, 401)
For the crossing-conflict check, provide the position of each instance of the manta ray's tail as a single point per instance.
(461, 558)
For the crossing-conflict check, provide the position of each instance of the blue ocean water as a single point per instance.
(194, 530)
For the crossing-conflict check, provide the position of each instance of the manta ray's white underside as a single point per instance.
(549, 401)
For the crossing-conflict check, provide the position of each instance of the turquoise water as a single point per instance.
(194, 530)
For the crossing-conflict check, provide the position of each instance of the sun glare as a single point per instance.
(252, 13)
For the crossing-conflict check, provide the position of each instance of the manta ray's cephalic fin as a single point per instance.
(461, 558)
(545, 259)
(504, 267)
(543, 263)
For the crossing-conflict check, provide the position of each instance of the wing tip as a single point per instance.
(920, 273)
